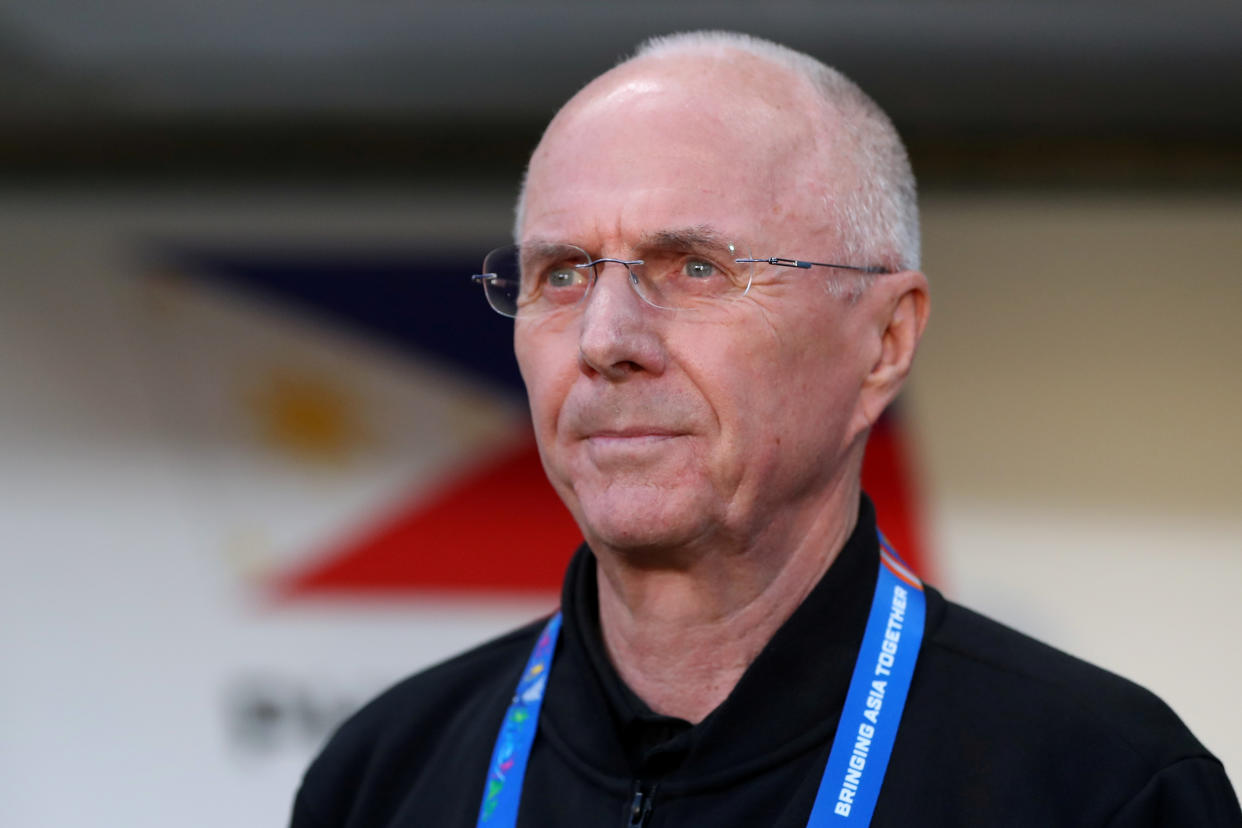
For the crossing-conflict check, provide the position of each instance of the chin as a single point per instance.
(645, 520)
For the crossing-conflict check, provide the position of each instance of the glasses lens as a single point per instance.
(693, 273)
(534, 279)
(500, 284)
(676, 273)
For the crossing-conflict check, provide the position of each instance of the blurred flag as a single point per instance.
(357, 426)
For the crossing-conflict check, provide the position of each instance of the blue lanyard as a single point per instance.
(864, 739)
(503, 791)
(877, 695)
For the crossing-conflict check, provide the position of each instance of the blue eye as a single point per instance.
(699, 269)
(562, 277)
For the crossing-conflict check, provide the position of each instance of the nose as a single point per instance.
(619, 337)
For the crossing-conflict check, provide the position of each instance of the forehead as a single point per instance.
(670, 143)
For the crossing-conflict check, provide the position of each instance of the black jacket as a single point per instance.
(999, 730)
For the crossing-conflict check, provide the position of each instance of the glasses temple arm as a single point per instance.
(777, 260)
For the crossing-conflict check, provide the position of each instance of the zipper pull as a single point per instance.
(640, 806)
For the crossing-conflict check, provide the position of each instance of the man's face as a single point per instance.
(663, 428)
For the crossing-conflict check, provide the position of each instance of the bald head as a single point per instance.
(688, 136)
(827, 155)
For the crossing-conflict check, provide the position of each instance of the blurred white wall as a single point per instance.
(1077, 403)
(1075, 409)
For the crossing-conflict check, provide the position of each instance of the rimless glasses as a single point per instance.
(676, 271)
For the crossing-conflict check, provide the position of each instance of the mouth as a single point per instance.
(630, 438)
(631, 434)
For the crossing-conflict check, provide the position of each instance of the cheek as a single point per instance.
(791, 395)
(548, 365)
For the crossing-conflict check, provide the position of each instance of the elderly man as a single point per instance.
(716, 293)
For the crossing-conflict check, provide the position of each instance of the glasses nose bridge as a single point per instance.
(634, 279)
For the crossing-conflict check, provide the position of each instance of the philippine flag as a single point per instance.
(372, 429)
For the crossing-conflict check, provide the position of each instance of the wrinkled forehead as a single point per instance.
(680, 141)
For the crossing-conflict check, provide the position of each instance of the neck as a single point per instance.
(681, 638)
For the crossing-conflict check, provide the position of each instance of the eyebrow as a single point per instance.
(684, 238)
(541, 246)
(697, 237)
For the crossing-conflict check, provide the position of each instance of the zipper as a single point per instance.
(638, 812)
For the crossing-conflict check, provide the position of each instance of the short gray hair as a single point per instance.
(879, 221)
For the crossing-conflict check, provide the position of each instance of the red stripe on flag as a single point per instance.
(886, 477)
(499, 527)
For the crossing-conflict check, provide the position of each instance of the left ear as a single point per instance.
(899, 310)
